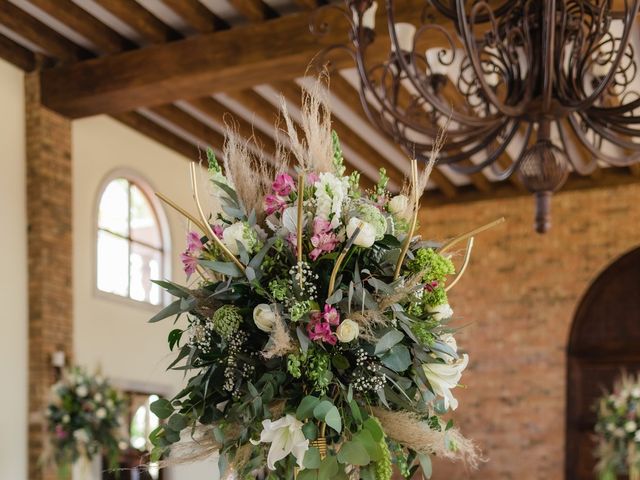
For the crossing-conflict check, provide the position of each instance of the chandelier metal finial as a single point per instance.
(552, 84)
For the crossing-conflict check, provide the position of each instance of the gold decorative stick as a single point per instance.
(209, 231)
(300, 225)
(472, 233)
(414, 220)
(340, 259)
(465, 264)
(182, 211)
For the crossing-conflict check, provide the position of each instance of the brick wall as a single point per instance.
(516, 304)
(48, 138)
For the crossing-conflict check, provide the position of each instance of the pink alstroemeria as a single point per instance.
(331, 315)
(320, 331)
(312, 178)
(274, 203)
(218, 231)
(323, 239)
(188, 264)
(61, 434)
(194, 244)
(283, 185)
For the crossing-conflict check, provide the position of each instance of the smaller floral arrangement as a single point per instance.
(618, 430)
(84, 420)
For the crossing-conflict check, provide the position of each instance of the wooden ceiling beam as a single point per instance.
(147, 127)
(240, 57)
(17, 55)
(191, 125)
(82, 22)
(23, 24)
(197, 15)
(140, 19)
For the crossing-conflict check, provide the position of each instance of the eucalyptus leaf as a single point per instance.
(397, 358)
(225, 268)
(353, 453)
(388, 340)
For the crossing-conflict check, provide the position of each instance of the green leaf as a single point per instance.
(312, 458)
(177, 422)
(371, 446)
(388, 340)
(328, 468)
(328, 413)
(173, 288)
(340, 362)
(425, 463)
(310, 431)
(173, 308)
(355, 411)
(226, 268)
(397, 359)
(353, 453)
(174, 337)
(305, 409)
(373, 427)
(334, 298)
(162, 408)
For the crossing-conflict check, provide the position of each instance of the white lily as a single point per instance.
(286, 437)
(443, 377)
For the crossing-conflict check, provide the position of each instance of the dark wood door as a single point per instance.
(604, 341)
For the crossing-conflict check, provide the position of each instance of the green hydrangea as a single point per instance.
(370, 214)
(226, 321)
(383, 467)
(299, 310)
(319, 370)
(436, 266)
(279, 289)
(423, 332)
(294, 365)
(437, 296)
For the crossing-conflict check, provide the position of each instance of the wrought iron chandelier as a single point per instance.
(550, 82)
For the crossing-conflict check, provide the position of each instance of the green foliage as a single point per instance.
(226, 321)
(435, 266)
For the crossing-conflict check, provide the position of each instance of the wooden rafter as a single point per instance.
(16, 54)
(50, 41)
(197, 15)
(254, 10)
(157, 133)
(140, 19)
(189, 124)
(82, 22)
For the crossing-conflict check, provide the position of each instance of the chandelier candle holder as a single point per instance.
(538, 89)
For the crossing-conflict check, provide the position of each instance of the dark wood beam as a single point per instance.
(254, 10)
(197, 15)
(16, 54)
(191, 125)
(309, 4)
(241, 57)
(20, 22)
(155, 132)
(82, 22)
(140, 19)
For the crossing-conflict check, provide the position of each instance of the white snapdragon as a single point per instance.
(443, 377)
(239, 232)
(331, 193)
(286, 437)
(367, 234)
(264, 316)
(347, 331)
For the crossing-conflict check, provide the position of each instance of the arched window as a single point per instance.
(131, 241)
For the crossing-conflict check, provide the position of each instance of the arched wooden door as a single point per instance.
(604, 340)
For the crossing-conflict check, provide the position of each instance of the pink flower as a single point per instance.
(283, 184)
(188, 264)
(218, 231)
(312, 178)
(194, 244)
(61, 434)
(320, 331)
(323, 239)
(273, 203)
(431, 286)
(331, 315)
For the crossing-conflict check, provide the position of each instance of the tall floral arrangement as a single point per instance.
(618, 430)
(84, 420)
(316, 325)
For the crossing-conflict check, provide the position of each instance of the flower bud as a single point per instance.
(264, 317)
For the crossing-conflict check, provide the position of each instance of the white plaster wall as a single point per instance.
(13, 279)
(111, 333)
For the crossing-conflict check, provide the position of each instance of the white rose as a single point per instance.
(82, 391)
(441, 312)
(347, 331)
(101, 413)
(238, 232)
(81, 436)
(630, 426)
(635, 393)
(66, 418)
(97, 397)
(264, 317)
(398, 205)
(367, 234)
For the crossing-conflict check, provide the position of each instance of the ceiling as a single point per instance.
(54, 35)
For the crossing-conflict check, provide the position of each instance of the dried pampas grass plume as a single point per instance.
(199, 446)
(315, 151)
(249, 175)
(369, 321)
(280, 342)
(409, 430)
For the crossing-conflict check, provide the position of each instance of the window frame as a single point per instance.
(142, 183)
